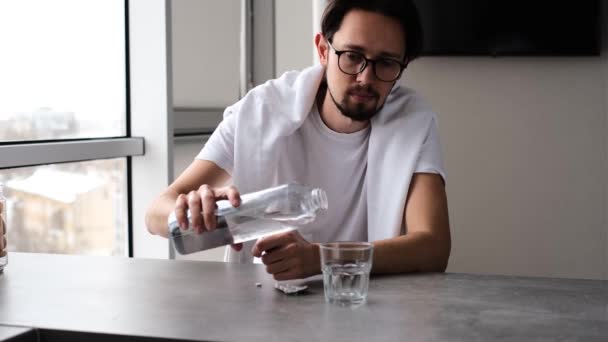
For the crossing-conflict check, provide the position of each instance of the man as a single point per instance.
(344, 126)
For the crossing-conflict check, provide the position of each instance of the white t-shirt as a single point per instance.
(337, 162)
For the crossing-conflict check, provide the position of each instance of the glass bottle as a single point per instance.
(291, 205)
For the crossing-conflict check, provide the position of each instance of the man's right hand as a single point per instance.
(201, 204)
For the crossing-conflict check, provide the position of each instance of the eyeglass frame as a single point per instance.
(367, 62)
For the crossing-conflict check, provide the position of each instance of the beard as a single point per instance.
(358, 111)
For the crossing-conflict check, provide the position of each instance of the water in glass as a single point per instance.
(346, 283)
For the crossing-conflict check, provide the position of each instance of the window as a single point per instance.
(68, 208)
(65, 141)
(63, 69)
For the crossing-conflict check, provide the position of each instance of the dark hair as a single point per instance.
(403, 11)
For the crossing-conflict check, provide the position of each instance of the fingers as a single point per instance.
(195, 207)
(201, 204)
(281, 266)
(286, 275)
(269, 243)
(274, 241)
(181, 206)
(287, 269)
(230, 193)
(287, 256)
(278, 254)
(208, 198)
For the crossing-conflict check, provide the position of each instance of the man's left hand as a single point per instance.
(288, 256)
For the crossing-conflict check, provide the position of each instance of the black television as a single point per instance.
(510, 27)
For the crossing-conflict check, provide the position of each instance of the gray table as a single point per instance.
(220, 302)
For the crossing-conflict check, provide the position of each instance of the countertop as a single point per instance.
(213, 301)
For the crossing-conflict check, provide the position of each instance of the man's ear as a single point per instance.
(322, 48)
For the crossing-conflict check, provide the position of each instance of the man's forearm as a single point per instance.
(413, 252)
(157, 214)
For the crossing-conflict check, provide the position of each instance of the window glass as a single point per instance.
(71, 208)
(62, 69)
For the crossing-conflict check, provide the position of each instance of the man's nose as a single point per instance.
(367, 75)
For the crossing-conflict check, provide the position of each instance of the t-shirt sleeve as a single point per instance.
(429, 160)
(220, 146)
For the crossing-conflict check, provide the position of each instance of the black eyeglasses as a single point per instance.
(353, 63)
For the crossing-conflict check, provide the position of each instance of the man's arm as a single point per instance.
(198, 173)
(426, 246)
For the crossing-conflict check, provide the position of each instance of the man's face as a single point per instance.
(361, 96)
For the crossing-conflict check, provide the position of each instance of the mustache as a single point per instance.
(365, 90)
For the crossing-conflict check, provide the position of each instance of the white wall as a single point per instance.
(205, 52)
(524, 143)
(294, 35)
